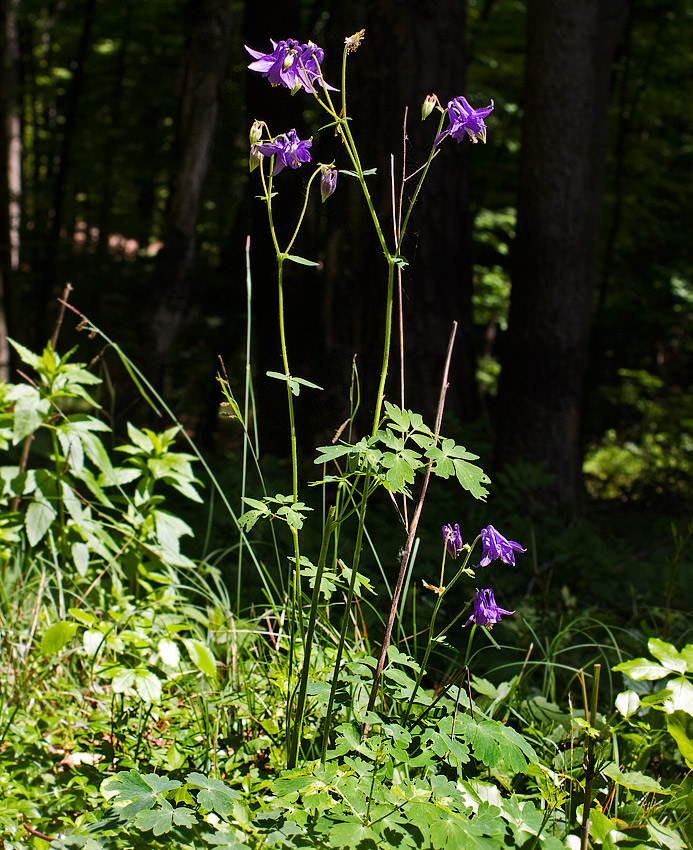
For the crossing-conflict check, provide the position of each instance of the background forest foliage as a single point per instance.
(97, 105)
(144, 664)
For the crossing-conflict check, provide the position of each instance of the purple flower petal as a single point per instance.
(486, 612)
(497, 546)
(290, 64)
(286, 149)
(453, 539)
(465, 121)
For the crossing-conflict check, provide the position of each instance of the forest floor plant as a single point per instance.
(183, 720)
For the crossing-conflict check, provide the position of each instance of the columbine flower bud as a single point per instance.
(255, 133)
(328, 182)
(428, 106)
(254, 159)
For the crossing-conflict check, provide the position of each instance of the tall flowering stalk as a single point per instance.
(298, 67)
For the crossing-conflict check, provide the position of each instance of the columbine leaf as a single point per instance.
(159, 820)
(366, 173)
(401, 418)
(328, 453)
(183, 816)
(472, 478)
(449, 833)
(351, 834)
(214, 795)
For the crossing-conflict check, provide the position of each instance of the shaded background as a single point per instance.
(561, 247)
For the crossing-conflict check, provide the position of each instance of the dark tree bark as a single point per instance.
(10, 176)
(202, 76)
(63, 165)
(411, 49)
(570, 48)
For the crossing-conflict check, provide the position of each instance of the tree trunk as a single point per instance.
(396, 68)
(10, 181)
(202, 75)
(545, 353)
(64, 166)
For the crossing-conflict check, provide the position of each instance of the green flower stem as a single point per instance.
(303, 211)
(386, 345)
(308, 642)
(345, 619)
(287, 374)
(430, 642)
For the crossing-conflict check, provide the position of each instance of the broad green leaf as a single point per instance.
(642, 668)
(292, 782)
(627, 703)
(148, 686)
(123, 681)
(667, 655)
(665, 836)
(56, 636)
(92, 640)
(72, 448)
(169, 652)
(38, 519)
(681, 698)
(80, 555)
(225, 841)
(201, 657)
(634, 780)
(169, 530)
(25, 355)
(677, 724)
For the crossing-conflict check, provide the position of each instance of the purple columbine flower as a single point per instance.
(328, 182)
(290, 64)
(465, 121)
(486, 611)
(497, 546)
(453, 539)
(286, 149)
